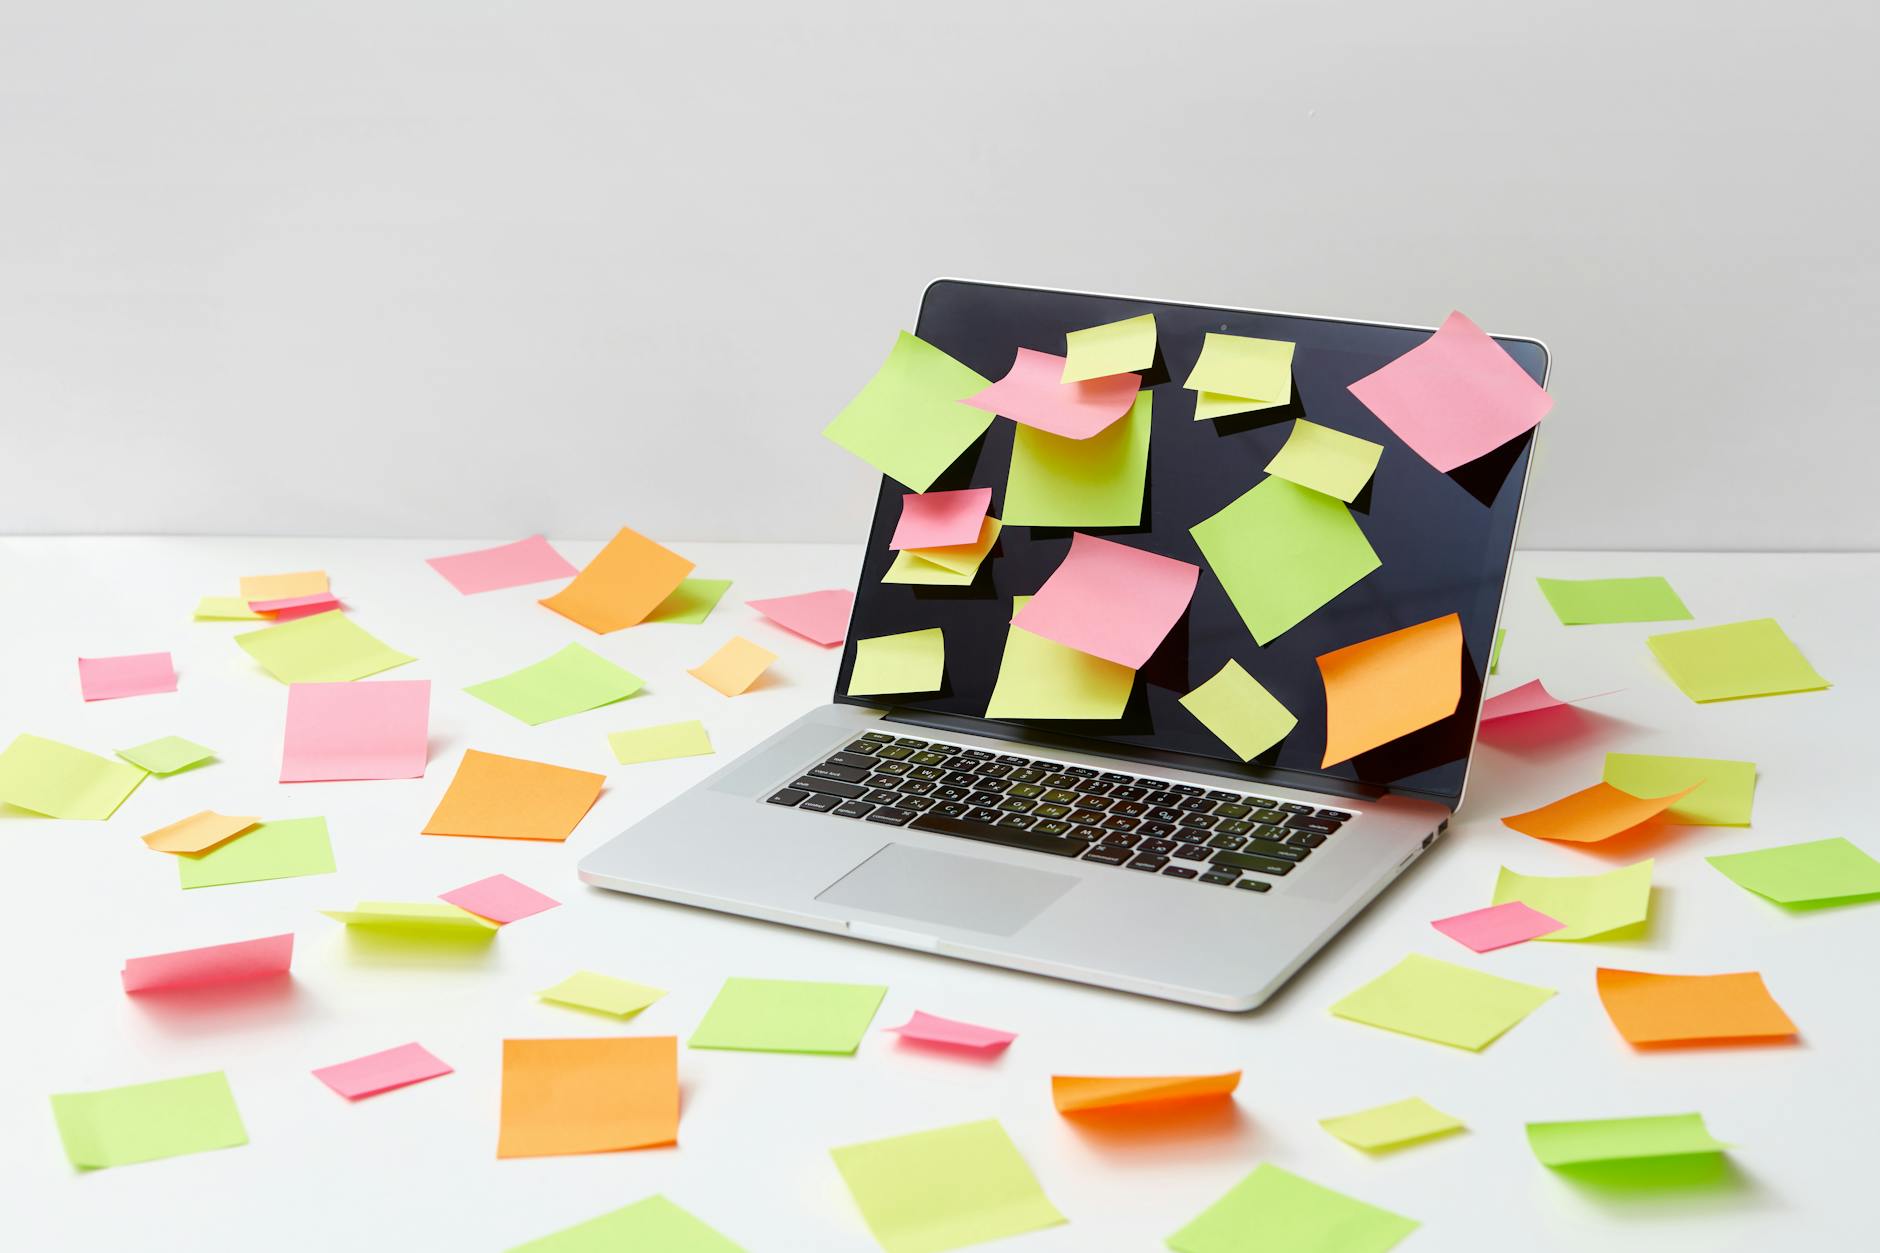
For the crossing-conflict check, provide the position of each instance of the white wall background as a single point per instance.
(436, 267)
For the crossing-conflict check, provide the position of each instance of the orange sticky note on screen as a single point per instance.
(626, 581)
(513, 798)
(1691, 1009)
(597, 1095)
(1591, 814)
(1383, 688)
(1075, 1093)
(733, 668)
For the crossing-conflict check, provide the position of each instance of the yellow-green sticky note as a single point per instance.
(1242, 714)
(1814, 873)
(419, 919)
(1725, 789)
(908, 422)
(911, 661)
(1281, 551)
(1597, 1140)
(324, 648)
(572, 681)
(654, 1225)
(1041, 678)
(955, 566)
(1754, 658)
(225, 608)
(691, 602)
(1444, 1002)
(1326, 460)
(1240, 374)
(1274, 1209)
(1054, 481)
(605, 993)
(1392, 1126)
(60, 781)
(670, 739)
(166, 755)
(1585, 602)
(788, 1016)
(944, 1189)
(1494, 654)
(287, 848)
(148, 1121)
(1113, 348)
(1588, 906)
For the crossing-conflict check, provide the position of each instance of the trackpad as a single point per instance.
(943, 888)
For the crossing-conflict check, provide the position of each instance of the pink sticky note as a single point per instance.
(356, 730)
(218, 963)
(941, 519)
(819, 616)
(381, 1072)
(507, 565)
(107, 678)
(499, 898)
(286, 610)
(932, 1029)
(1529, 698)
(1498, 926)
(1110, 600)
(1033, 392)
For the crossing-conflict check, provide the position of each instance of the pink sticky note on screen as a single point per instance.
(381, 1072)
(507, 565)
(286, 610)
(1454, 397)
(941, 519)
(1110, 600)
(819, 616)
(356, 730)
(1498, 926)
(107, 678)
(218, 963)
(499, 898)
(1529, 698)
(1033, 392)
(933, 1029)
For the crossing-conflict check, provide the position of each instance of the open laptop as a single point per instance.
(1139, 852)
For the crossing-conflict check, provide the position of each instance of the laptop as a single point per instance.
(1135, 852)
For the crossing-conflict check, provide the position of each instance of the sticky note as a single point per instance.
(1591, 814)
(381, 1072)
(1722, 790)
(1653, 1009)
(1392, 1126)
(691, 602)
(526, 561)
(286, 848)
(211, 964)
(626, 581)
(788, 1016)
(1274, 1209)
(944, 567)
(944, 1189)
(139, 674)
(1740, 659)
(1075, 1093)
(1240, 374)
(734, 667)
(925, 1028)
(1597, 1140)
(1282, 552)
(908, 422)
(282, 586)
(500, 899)
(290, 607)
(1033, 393)
(1531, 697)
(1122, 347)
(1494, 653)
(569, 682)
(1818, 872)
(1242, 714)
(911, 661)
(515, 799)
(1326, 460)
(605, 993)
(199, 832)
(1588, 906)
(1582, 602)
(326, 648)
(60, 781)
(424, 920)
(1098, 481)
(1110, 600)
(821, 617)
(598, 1095)
(668, 740)
(167, 755)
(225, 607)
(941, 519)
(356, 730)
(1444, 1002)
(1497, 926)
(1041, 678)
(148, 1121)
(650, 1224)
(1383, 688)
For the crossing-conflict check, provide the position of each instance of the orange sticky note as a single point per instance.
(626, 581)
(1595, 813)
(1380, 689)
(198, 832)
(511, 798)
(1072, 1093)
(595, 1095)
(283, 586)
(734, 667)
(1690, 1009)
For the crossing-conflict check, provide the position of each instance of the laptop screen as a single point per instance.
(1443, 541)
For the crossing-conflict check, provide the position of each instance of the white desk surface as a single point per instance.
(417, 1168)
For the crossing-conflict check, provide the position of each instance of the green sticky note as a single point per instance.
(231, 608)
(1741, 659)
(788, 1016)
(287, 848)
(671, 739)
(60, 781)
(944, 1189)
(1054, 481)
(1723, 800)
(1325, 460)
(1216, 405)
(605, 993)
(1113, 348)
(1590, 906)
(1494, 654)
(1620, 1139)
(908, 422)
(167, 755)
(1241, 713)
(147, 1121)
(912, 661)
(1582, 602)
(324, 648)
(1041, 678)
(654, 1225)
(1392, 1126)
(416, 919)
(1444, 1002)
(1282, 551)
(1273, 1209)
(1818, 872)
(691, 602)
(1239, 374)
(571, 681)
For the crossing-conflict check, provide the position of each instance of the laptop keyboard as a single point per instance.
(1216, 836)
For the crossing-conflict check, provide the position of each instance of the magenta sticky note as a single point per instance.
(1529, 698)
(507, 565)
(933, 1029)
(819, 616)
(499, 898)
(1034, 392)
(1110, 600)
(1454, 397)
(217, 963)
(941, 519)
(1498, 926)
(356, 730)
(107, 678)
(291, 607)
(381, 1072)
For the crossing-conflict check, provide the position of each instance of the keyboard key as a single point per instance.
(1294, 807)
(1108, 854)
(960, 763)
(994, 770)
(1050, 826)
(1260, 802)
(852, 759)
(1268, 815)
(1157, 846)
(1080, 772)
(1148, 862)
(984, 798)
(916, 787)
(1057, 845)
(1085, 801)
(920, 803)
(1245, 861)
(1191, 852)
(1017, 805)
(843, 774)
(931, 774)
(1125, 838)
(979, 813)
(1023, 789)
(819, 803)
(1228, 842)
(1130, 793)
(947, 792)
(909, 742)
(1234, 826)
(892, 767)
(1060, 796)
(1129, 809)
(877, 737)
(1050, 811)
(977, 754)
(1086, 815)
(1198, 822)
(1095, 787)
(892, 817)
(1307, 839)
(1220, 878)
(895, 753)
(790, 796)
(852, 809)
(960, 778)
(1161, 798)
(1184, 789)
(1160, 830)
(861, 746)
(1299, 822)
(1336, 815)
(1216, 794)
(1013, 759)
(1197, 805)
(882, 796)
(927, 759)
(1060, 779)
(1255, 885)
(1232, 810)
(1283, 852)
(1179, 872)
(1086, 832)
(829, 787)
(1021, 821)
(949, 809)
(1027, 774)
(1110, 776)
(1163, 813)
(1120, 824)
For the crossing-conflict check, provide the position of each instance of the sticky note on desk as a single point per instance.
(1326, 460)
(691, 602)
(653, 1223)
(1041, 678)
(286, 848)
(1274, 1209)
(530, 560)
(231, 608)
(1440, 1001)
(382, 1071)
(941, 519)
(595, 1095)
(212, 964)
(1531, 697)
(1098, 481)
(325, 648)
(908, 421)
(283, 586)
(1588, 906)
(1240, 374)
(1814, 873)
(1282, 552)
(138, 674)
(1383, 688)
(1733, 661)
(734, 667)
(1034, 394)
(1392, 1126)
(424, 920)
(568, 682)
(1601, 1140)
(60, 781)
(1079, 1093)
(514, 798)
(1657, 1009)
(500, 899)
(147, 1121)
(788, 1016)
(289, 608)
(199, 832)
(1123, 347)
(628, 579)
(1242, 714)
(167, 755)
(604, 993)
(822, 617)
(924, 1028)
(1723, 790)
(910, 661)
(1110, 600)
(1498, 926)
(1592, 814)
(943, 1189)
(1584, 602)
(377, 730)
(660, 743)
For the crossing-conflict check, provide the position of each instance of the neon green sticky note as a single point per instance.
(655, 1225)
(1621, 1139)
(1054, 481)
(1041, 678)
(944, 1189)
(1590, 906)
(1241, 713)
(1583, 602)
(1326, 460)
(166, 755)
(1240, 374)
(1494, 654)
(691, 602)
(1113, 348)
(944, 567)
(1723, 800)
(788, 1016)
(1740, 659)
(1216, 405)
(670, 739)
(60, 781)
(1281, 552)
(1444, 1002)
(324, 648)
(1392, 1126)
(228, 608)
(571, 681)
(1274, 1209)
(605, 993)
(418, 919)
(911, 661)
(147, 1121)
(287, 848)
(1818, 872)
(908, 422)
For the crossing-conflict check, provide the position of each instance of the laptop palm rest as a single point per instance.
(948, 890)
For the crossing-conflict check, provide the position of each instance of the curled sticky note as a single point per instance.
(1076, 1093)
